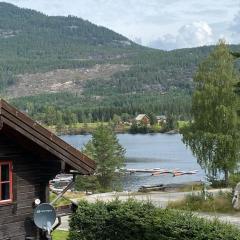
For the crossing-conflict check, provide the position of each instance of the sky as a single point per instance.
(163, 24)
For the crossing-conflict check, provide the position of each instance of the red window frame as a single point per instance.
(9, 163)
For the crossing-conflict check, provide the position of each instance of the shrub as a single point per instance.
(222, 202)
(234, 179)
(133, 220)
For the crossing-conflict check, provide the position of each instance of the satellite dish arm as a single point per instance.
(69, 186)
(58, 224)
(64, 197)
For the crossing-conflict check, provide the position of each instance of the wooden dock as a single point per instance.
(160, 171)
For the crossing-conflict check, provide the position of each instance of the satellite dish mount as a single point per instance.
(45, 215)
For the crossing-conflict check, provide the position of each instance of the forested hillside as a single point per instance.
(67, 66)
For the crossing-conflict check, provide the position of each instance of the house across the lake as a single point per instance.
(142, 119)
(30, 156)
(161, 119)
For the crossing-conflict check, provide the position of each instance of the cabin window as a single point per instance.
(5, 182)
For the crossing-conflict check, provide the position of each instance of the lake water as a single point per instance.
(151, 151)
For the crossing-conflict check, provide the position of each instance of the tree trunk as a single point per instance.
(226, 176)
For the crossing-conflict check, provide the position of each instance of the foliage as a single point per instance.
(182, 124)
(238, 88)
(139, 128)
(222, 203)
(87, 183)
(108, 154)
(216, 182)
(170, 124)
(234, 179)
(152, 118)
(64, 106)
(213, 136)
(116, 119)
(135, 220)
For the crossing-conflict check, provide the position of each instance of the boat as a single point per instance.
(180, 173)
(164, 171)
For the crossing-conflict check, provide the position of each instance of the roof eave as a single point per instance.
(45, 139)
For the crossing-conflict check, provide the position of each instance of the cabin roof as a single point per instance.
(45, 139)
(140, 117)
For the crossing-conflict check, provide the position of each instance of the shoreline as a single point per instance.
(66, 130)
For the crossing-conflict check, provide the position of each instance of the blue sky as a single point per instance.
(164, 24)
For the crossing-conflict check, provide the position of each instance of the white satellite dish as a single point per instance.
(44, 217)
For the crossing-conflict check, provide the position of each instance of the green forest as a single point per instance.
(156, 81)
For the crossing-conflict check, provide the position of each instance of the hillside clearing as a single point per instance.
(60, 80)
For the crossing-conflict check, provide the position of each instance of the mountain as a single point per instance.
(66, 66)
(40, 42)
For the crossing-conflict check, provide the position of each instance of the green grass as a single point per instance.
(190, 188)
(182, 124)
(220, 203)
(60, 202)
(77, 128)
(60, 235)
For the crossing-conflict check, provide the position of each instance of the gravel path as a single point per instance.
(159, 199)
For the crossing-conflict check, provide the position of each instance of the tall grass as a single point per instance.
(221, 203)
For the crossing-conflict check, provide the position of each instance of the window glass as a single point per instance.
(5, 172)
(5, 191)
(5, 181)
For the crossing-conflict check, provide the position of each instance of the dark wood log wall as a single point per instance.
(31, 174)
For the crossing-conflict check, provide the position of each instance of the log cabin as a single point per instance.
(142, 119)
(30, 156)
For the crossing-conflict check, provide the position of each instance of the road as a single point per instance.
(159, 199)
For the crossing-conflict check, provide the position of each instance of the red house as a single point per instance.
(143, 119)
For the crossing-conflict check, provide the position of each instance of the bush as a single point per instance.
(133, 220)
(221, 203)
(234, 179)
(138, 128)
(217, 183)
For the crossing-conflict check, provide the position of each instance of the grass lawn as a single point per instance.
(60, 235)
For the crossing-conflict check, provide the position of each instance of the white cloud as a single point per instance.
(197, 33)
(189, 35)
(235, 29)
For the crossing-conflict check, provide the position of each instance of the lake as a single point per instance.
(151, 151)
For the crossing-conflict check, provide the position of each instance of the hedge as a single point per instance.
(133, 220)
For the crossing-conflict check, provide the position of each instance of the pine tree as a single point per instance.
(213, 135)
(105, 149)
(152, 118)
(237, 86)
